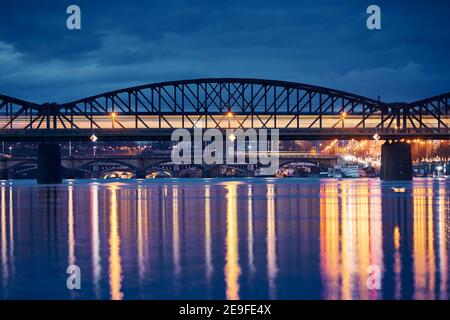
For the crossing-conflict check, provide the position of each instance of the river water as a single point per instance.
(226, 239)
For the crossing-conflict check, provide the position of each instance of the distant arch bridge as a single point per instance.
(139, 166)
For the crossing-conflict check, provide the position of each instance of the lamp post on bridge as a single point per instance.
(343, 115)
(113, 118)
(229, 115)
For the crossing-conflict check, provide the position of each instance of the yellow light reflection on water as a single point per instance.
(423, 243)
(442, 241)
(329, 241)
(115, 267)
(232, 268)
(419, 240)
(397, 262)
(350, 237)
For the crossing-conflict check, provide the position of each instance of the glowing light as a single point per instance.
(376, 137)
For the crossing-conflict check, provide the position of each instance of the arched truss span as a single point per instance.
(225, 103)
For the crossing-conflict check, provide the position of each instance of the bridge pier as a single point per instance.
(49, 169)
(4, 175)
(140, 174)
(70, 173)
(396, 161)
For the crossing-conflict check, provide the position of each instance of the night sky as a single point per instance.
(127, 43)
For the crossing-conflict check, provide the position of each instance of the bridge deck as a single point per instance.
(151, 134)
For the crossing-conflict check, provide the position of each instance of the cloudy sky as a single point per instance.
(126, 43)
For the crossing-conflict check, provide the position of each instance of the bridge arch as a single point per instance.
(19, 167)
(100, 161)
(205, 102)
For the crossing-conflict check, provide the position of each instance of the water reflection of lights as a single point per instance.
(70, 222)
(175, 232)
(4, 244)
(232, 268)
(442, 241)
(208, 259)
(272, 267)
(329, 241)
(142, 230)
(350, 239)
(423, 245)
(95, 239)
(11, 227)
(360, 224)
(251, 260)
(115, 267)
(397, 263)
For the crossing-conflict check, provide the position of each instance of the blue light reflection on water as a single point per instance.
(225, 239)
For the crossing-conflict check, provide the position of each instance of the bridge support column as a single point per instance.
(49, 164)
(95, 172)
(70, 173)
(140, 174)
(396, 161)
(4, 174)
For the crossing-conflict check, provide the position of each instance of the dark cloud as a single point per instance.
(124, 43)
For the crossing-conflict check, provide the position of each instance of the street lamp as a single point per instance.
(113, 118)
(95, 149)
(343, 115)
(229, 115)
(376, 137)
(10, 151)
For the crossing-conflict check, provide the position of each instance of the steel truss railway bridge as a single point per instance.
(298, 111)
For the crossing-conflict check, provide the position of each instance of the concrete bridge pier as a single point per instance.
(95, 173)
(3, 170)
(4, 174)
(140, 169)
(70, 173)
(140, 174)
(49, 169)
(396, 161)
